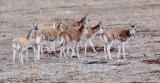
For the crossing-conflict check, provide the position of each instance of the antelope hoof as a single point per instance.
(41, 52)
(66, 58)
(72, 56)
(60, 59)
(79, 58)
(49, 51)
(27, 61)
(105, 58)
(111, 59)
(38, 59)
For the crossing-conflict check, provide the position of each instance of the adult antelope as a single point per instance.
(70, 23)
(50, 34)
(71, 37)
(36, 41)
(122, 35)
(92, 31)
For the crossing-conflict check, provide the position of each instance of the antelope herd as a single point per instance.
(70, 34)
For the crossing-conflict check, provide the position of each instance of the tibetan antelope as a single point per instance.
(92, 31)
(72, 37)
(21, 46)
(70, 23)
(36, 41)
(50, 34)
(67, 23)
(122, 35)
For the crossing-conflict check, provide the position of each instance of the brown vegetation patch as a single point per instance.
(90, 56)
(147, 30)
(156, 41)
(155, 34)
(97, 62)
(74, 57)
(51, 53)
(152, 61)
(66, 7)
(120, 64)
(153, 42)
(30, 48)
(101, 49)
(136, 82)
(24, 80)
(152, 72)
(97, 48)
(157, 54)
(32, 80)
(89, 49)
(155, 72)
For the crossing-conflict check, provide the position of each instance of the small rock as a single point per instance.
(145, 55)
(4, 35)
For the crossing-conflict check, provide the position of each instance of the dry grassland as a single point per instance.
(143, 52)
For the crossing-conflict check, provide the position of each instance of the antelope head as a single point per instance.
(35, 35)
(132, 28)
(100, 31)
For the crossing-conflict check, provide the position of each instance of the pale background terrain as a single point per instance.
(142, 52)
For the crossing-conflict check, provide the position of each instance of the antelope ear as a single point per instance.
(60, 22)
(135, 23)
(129, 24)
(37, 24)
(61, 25)
(29, 32)
(86, 15)
(33, 26)
(36, 27)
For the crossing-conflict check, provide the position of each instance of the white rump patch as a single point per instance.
(15, 46)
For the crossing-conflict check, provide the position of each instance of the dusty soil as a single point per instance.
(142, 52)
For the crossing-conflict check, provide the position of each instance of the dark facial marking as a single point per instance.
(132, 26)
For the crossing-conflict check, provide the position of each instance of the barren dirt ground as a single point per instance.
(142, 52)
